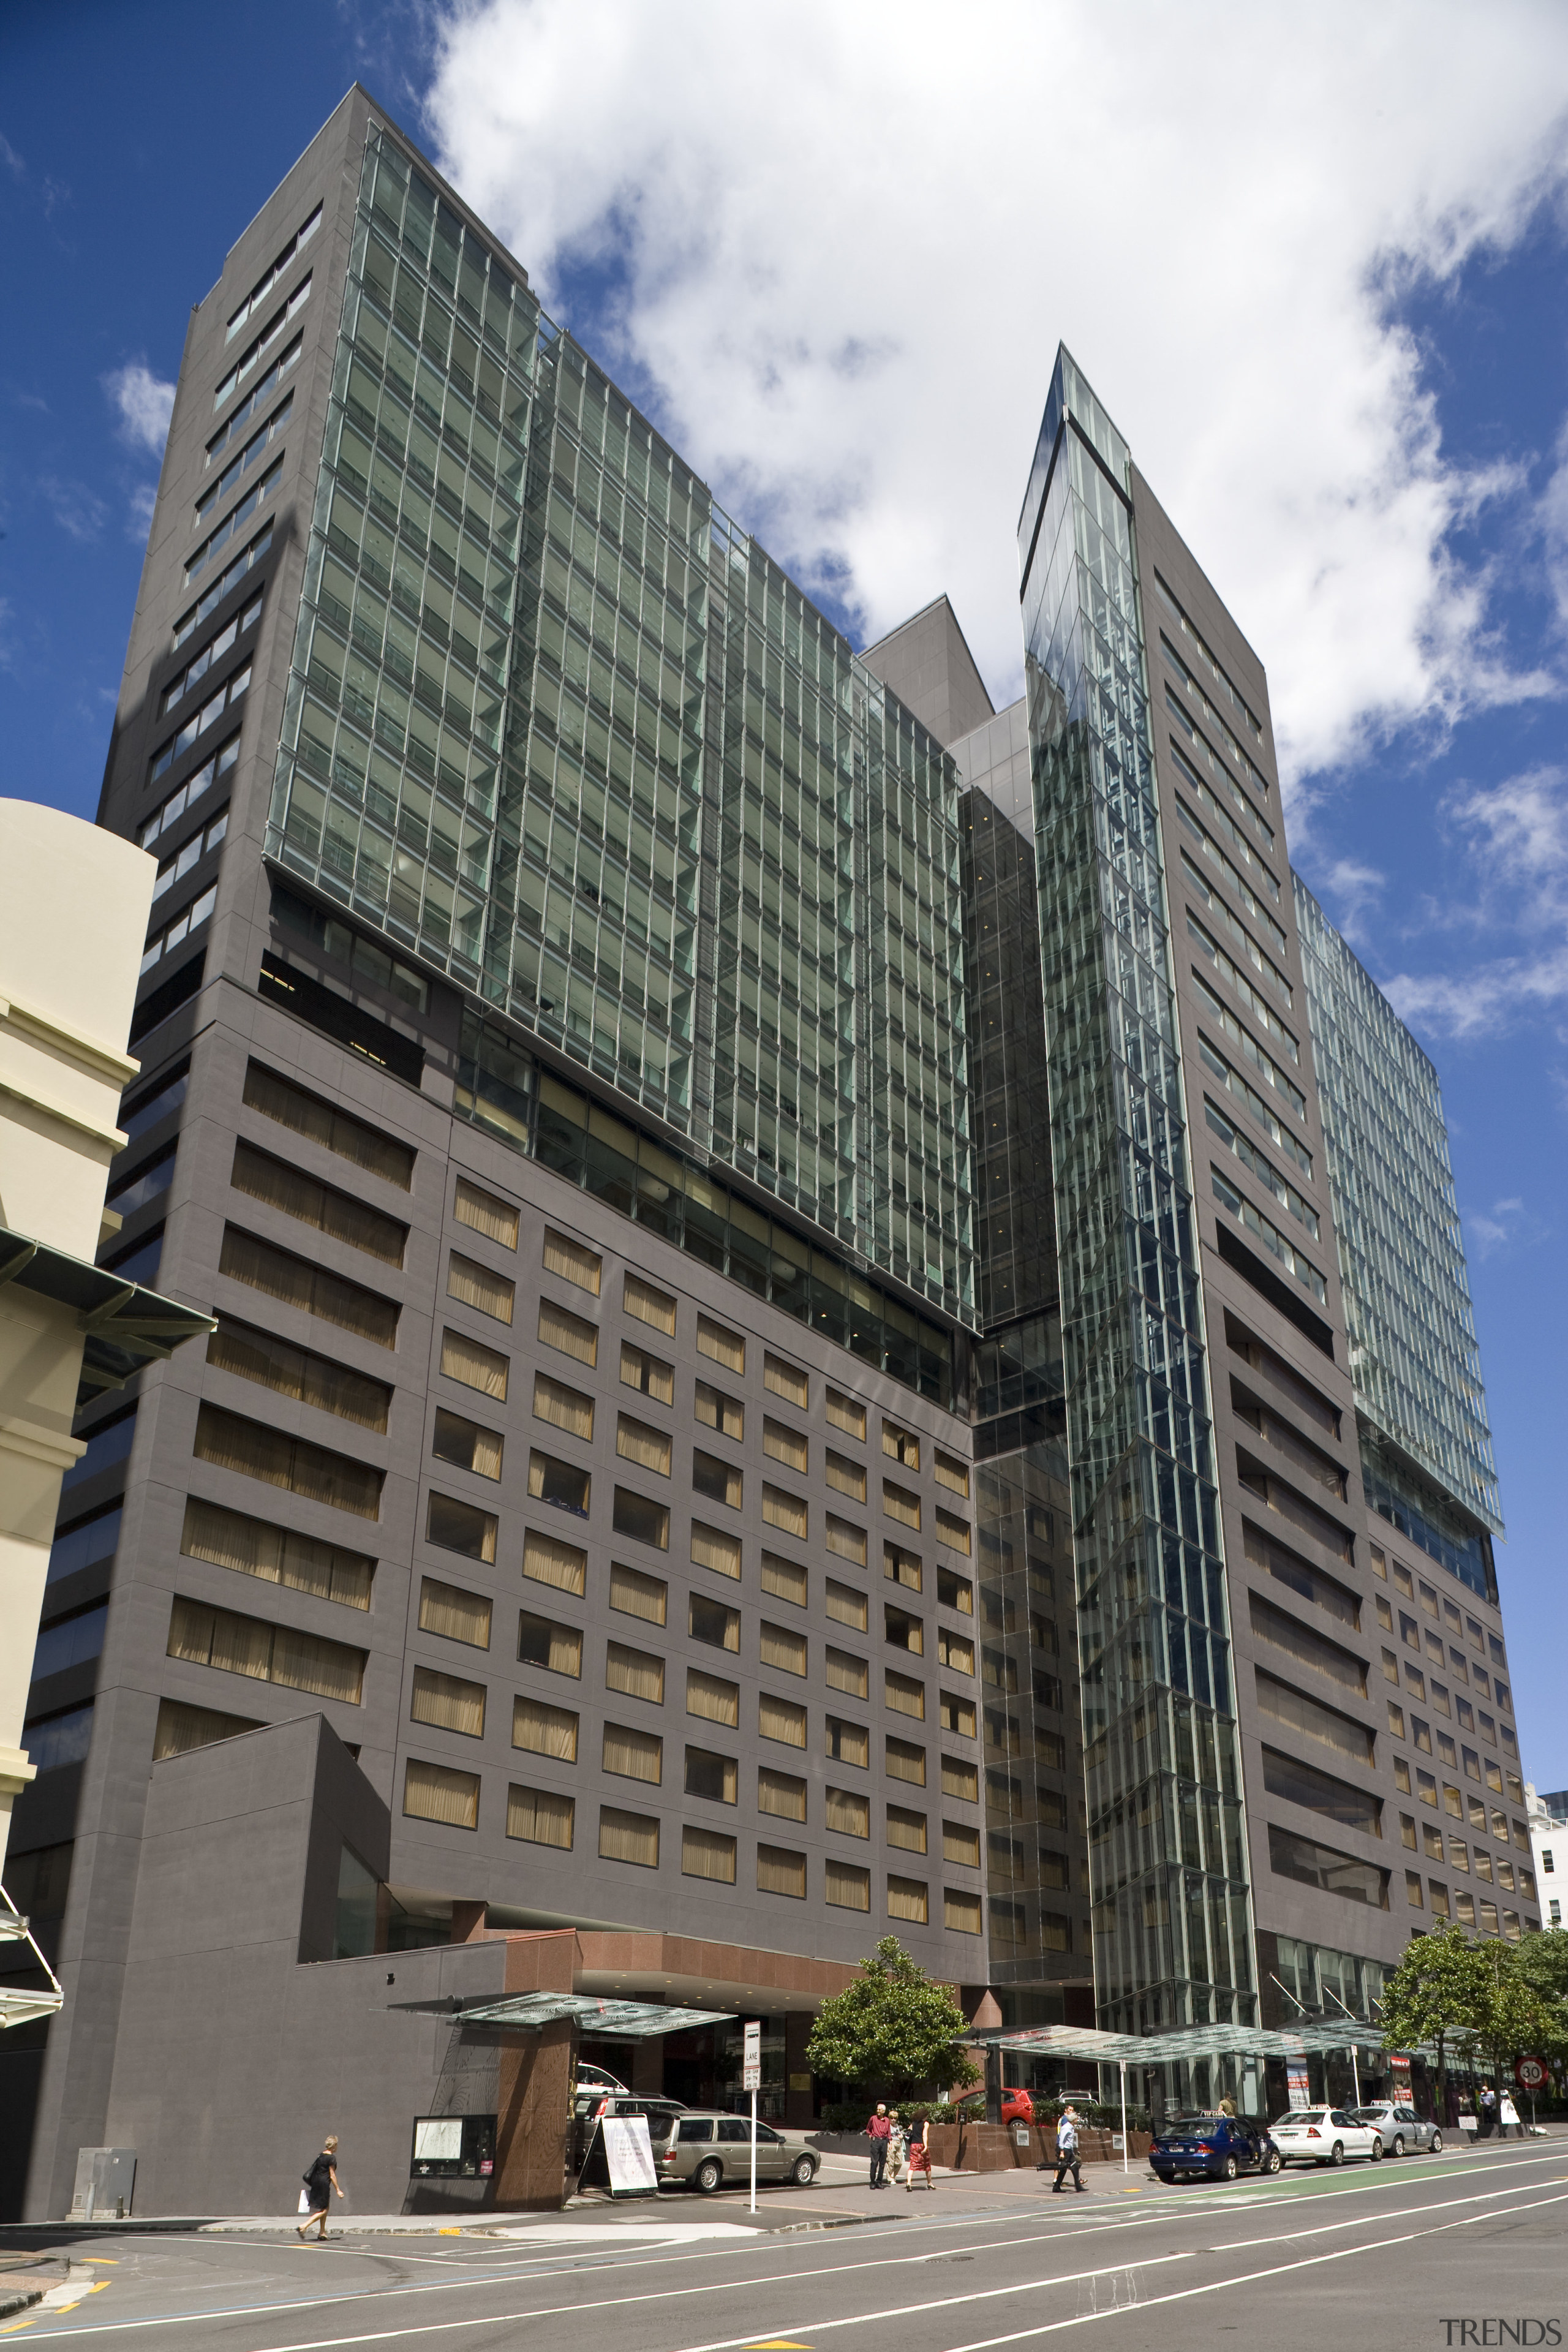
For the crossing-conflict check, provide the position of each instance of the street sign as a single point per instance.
(1531, 2074)
(752, 2056)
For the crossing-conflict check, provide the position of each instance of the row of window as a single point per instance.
(269, 279)
(1267, 1069)
(1475, 1769)
(1257, 1164)
(168, 813)
(213, 596)
(1457, 1855)
(264, 341)
(451, 1525)
(1481, 1915)
(1230, 873)
(236, 518)
(1216, 812)
(1230, 972)
(189, 854)
(434, 1792)
(1236, 701)
(164, 942)
(214, 651)
(1474, 1631)
(253, 450)
(1416, 1679)
(232, 691)
(1202, 749)
(1277, 1245)
(1235, 930)
(256, 398)
(1252, 1102)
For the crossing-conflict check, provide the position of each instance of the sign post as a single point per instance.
(751, 2080)
(1530, 2074)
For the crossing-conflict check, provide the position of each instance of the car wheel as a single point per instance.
(1437, 2143)
(803, 2171)
(1398, 2148)
(1376, 2149)
(1273, 2161)
(1337, 2153)
(1228, 2168)
(707, 2177)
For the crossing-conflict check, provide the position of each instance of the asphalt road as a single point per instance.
(1388, 2256)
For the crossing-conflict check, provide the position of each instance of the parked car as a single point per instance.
(1017, 2107)
(1214, 2146)
(1400, 2129)
(1324, 2135)
(705, 2151)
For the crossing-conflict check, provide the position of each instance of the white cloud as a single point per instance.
(846, 238)
(145, 403)
(77, 511)
(139, 515)
(1513, 837)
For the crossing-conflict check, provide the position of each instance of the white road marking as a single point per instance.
(1249, 2278)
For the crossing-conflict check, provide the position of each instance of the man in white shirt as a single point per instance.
(1067, 2152)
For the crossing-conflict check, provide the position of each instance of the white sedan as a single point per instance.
(1324, 2135)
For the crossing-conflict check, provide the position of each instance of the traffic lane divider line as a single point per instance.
(1359, 2221)
(575, 2310)
(1249, 2278)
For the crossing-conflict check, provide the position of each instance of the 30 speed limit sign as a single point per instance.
(1531, 2074)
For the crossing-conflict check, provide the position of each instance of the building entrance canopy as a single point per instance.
(1189, 2042)
(626, 2020)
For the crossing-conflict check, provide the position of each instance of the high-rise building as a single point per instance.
(554, 1078)
(780, 1370)
(1282, 1487)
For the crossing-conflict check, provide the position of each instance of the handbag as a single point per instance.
(304, 2204)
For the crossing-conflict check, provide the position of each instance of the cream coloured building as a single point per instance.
(76, 904)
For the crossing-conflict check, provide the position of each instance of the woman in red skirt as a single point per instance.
(920, 2156)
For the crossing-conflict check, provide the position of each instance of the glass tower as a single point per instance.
(556, 723)
(1167, 1844)
(1413, 1356)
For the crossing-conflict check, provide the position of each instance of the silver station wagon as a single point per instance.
(710, 2151)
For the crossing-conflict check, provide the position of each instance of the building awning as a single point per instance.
(21, 2004)
(1189, 2042)
(626, 2020)
(125, 1326)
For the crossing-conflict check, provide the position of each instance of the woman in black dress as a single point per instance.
(320, 2182)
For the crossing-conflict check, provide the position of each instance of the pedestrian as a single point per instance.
(1507, 2119)
(879, 2131)
(1486, 2112)
(898, 2140)
(1067, 2152)
(320, 2182)
(1227, 2107)
(920, 2156)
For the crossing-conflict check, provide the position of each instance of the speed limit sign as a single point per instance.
(1531, 2074)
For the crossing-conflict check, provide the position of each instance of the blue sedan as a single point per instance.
(1214, 2147)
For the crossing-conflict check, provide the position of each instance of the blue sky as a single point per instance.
(1317, 275)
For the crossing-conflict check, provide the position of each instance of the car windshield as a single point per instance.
(1304, 2115)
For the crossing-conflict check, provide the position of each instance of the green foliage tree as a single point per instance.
(1431, 1995)
(1469, 1996)
(892, 2029)
(1543, 1962)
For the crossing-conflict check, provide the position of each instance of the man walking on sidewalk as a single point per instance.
(880, 2131)
(1067, 2152)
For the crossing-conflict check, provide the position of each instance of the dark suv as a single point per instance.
(1215, 2147)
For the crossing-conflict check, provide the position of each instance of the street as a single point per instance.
(1399, 2255)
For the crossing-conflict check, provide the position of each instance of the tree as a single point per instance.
(892, 2029)
(1450, 1990)
(1432, 1996)
(1543, 1963)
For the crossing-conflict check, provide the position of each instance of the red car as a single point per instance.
(1017, 2107)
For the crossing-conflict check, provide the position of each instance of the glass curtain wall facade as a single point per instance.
(1413, 1356)
(1034, 1826)
(555, 721)
(1172, 1925)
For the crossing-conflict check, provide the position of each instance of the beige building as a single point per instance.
(77, 900)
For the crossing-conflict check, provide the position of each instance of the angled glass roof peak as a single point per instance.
(628, 2020)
